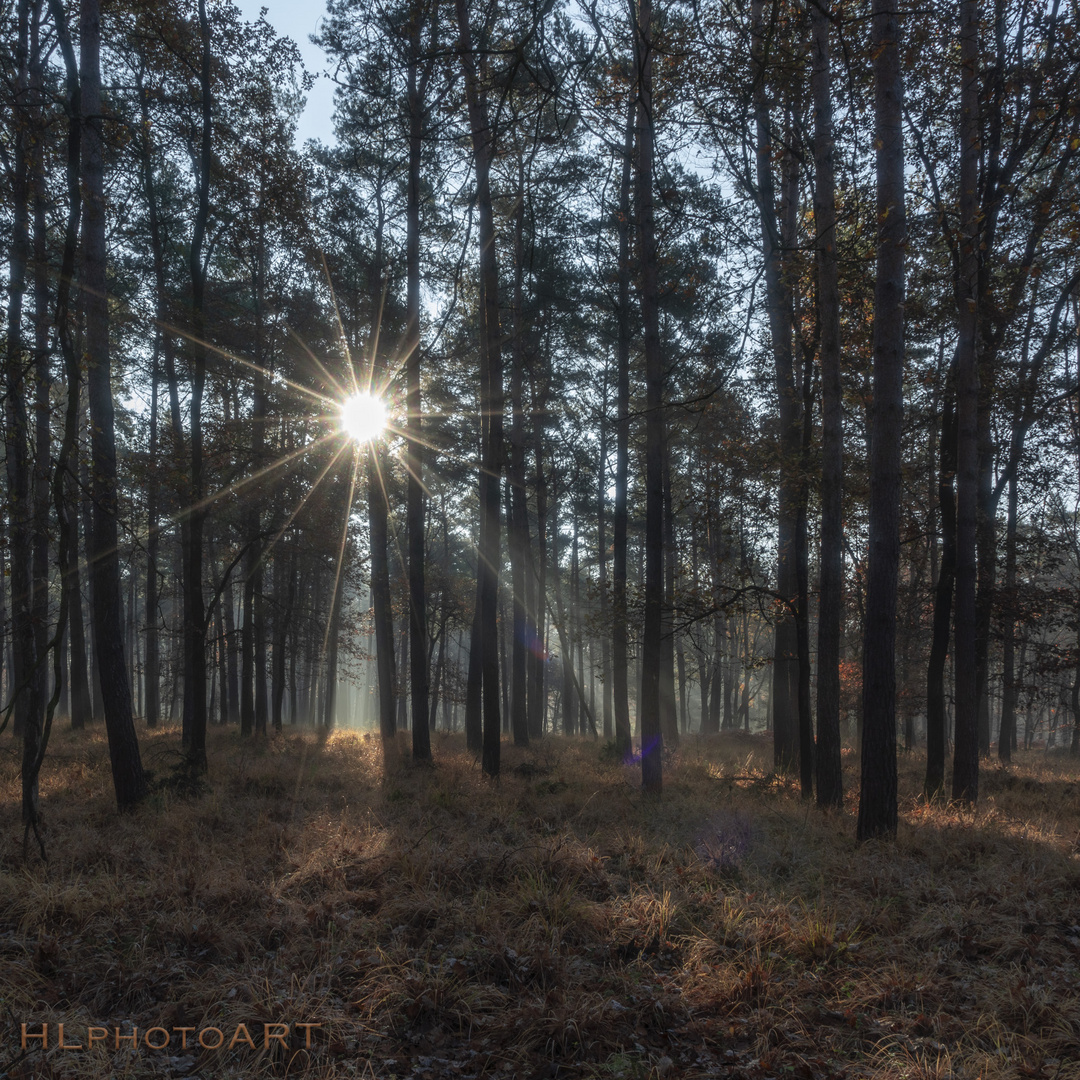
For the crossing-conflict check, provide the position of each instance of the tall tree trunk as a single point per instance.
(17, 434)
(284, 583)
(943, 594)
(986, 563)
(802, 581)
(652, 742)
(1007, 730)
(194, 614)
(42, 377)
(258, 459)
(153, 543)
(81, 704)
(491, 387)
(619, 671)
(474, 717)
(519, 511)
(778, 302)
(830, 790)
(129, 780)
(877, 796)
(247, 645)
(669, 721)
(965, 778)
(333, 632)
(65, 506)
(565, 641)
(419, 676)
(537, 692)
(381, 600)
(602, 561)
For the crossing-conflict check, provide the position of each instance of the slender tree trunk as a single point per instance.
(669, 721)
(802, 584)
(81, 704)
(194, 613)
(778, 293)
(222, 665)
(65, 495)
(491, 388)
(474, 719)
(986, 563)
(829, 772)
(518, 525)
(381, 600)
(877, 796)
(153, 543)
(602, 561)
(436, 686)
(943, 594)
(965, 778)
(333, 631)
(680, 667)
(17, 433)
(284, 583)
(258, 459)
(537, 693)
(129, 780)
(620, 666)
(418, 631)
(42, 380)
(565, 641)
(1007, 731)
(247, 646)
(652, 739)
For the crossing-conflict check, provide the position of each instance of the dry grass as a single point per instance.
(555, 924)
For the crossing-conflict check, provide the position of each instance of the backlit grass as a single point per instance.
(556, 923)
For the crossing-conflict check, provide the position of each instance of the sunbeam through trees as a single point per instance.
(630, 382)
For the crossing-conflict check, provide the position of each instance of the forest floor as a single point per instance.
(554, 924)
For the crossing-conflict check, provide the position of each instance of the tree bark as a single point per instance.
(620, 667)
(519, 512)
(17, 436)
(194, 612)
(965, 777)
(419, 676)
(652, 740)
(491, 390)
(778, 301)
(669, 720)
(602, 563)
(943, 595)
(129, 780)
(830, 790)
(877, 796)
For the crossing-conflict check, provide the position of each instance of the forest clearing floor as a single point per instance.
(555, 924)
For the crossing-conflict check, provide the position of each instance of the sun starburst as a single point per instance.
(363, 417)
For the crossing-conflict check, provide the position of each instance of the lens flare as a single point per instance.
(363, 417)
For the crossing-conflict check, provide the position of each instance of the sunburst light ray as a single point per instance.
(226, 355)
(341, 552)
